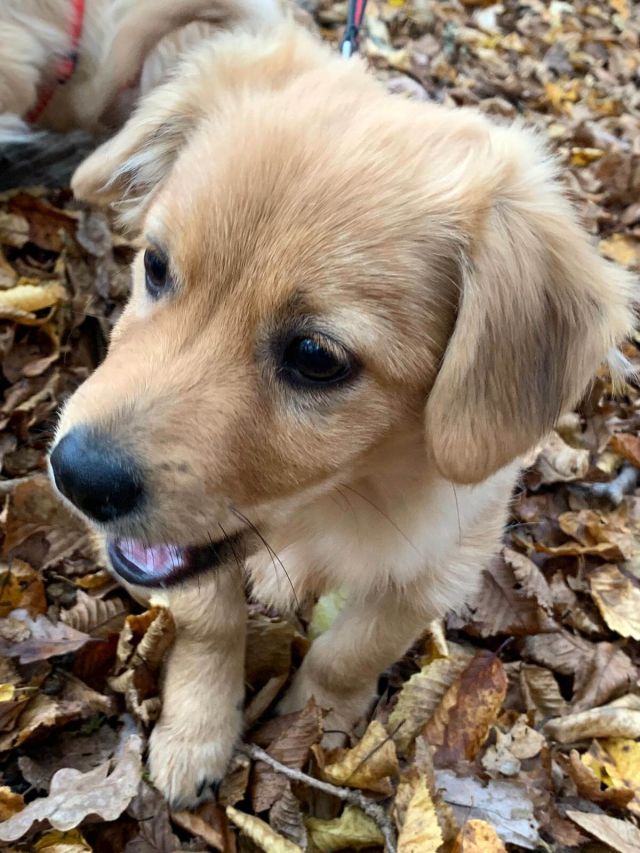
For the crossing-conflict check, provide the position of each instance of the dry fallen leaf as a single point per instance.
(74, 795)
(353, 829)
(611, 720)
(504, 805)
(615, 763)
(420, 831)
(421, 695)
(261, 833)
(370, 763)
(62, 842)
(621, 835)
(39, 638)
(462, 721)
(478, 836)
(618, 600)
(98, 617)
(21, 587)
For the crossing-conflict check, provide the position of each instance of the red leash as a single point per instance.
(355, 15)
(66, 64)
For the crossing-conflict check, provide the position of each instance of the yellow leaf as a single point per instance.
(261, 833)
(420, 831)
(56, 841)
(617, 599)
(353, 829)
(621, 7)
(7, 692)
(369, 764)
(10, 802)
(584, 156)
(616, 763)
(32, 297)
(478, 836)
(620, 248)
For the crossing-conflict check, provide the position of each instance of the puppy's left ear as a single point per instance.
(538, 312)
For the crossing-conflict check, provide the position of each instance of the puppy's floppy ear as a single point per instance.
(538, 311)
(129, 168)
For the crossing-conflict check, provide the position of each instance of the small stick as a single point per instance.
(614, 491)
(354, 798)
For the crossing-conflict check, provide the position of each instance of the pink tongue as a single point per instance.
(158, 559)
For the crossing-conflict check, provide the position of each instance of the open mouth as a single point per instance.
(164, 565)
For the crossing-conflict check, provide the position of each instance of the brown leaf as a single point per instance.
(10, 803)
(621, 835)
(618, 600)
(370, 763)
(291, 748)
(43, 639)
(461, 723)
(613, 720)
(269, 643)
(627, 445)
(75, 795)
(421, 695)
(514, 599)
(75, 701)
(285, 817)
(208, 822)
(95, 616)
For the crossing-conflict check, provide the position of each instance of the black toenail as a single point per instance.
(215, 786)
(201, 788)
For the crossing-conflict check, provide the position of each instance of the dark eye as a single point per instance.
(156, 272)
(315, 361)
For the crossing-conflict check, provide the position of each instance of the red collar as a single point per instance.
(66, 64)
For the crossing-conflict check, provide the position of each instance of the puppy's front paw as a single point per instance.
(187, 771)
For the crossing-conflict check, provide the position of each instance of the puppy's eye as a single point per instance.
(314, 361)
(156, 273)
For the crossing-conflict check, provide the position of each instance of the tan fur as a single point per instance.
(126, 48)
(284, 183)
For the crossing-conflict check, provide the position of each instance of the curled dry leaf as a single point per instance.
(511, 748)
(143, 643)
(369, 765)
(421, 695)
(352, 830)
(589, 785)
(420, 830)
(618, 600)
(478, 836)
(208, 822)
(261, 833)
(628, 446)
(462, 721)
(39, 638)
(620, 835)
(74, 795)
(608, 721)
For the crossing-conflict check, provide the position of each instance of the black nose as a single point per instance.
(103, 481)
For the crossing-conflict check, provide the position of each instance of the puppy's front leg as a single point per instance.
(203, 689)
(342, 668)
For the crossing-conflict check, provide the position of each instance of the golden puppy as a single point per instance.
(351, 315)
(71, 64)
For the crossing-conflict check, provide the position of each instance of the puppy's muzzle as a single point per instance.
(99, 478)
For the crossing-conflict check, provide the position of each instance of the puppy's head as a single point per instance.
(322, 267)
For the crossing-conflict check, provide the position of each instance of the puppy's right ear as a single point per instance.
(128, 169)
(131, 167)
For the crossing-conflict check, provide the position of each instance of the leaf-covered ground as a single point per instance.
(515, 725)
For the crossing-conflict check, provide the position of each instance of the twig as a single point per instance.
(614, 491)
(354, 798)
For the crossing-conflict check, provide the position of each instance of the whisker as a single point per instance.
(455, 497)
(383, 514)
(270, 551)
